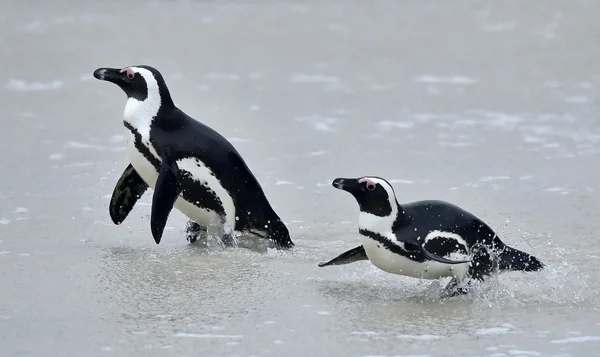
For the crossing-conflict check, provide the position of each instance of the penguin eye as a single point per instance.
(370, 186)
(129, 72)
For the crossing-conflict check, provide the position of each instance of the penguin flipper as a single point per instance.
(351, 256)
(126, 193)
(166, 191)
(437, 258)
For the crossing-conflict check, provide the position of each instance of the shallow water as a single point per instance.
(490, 105)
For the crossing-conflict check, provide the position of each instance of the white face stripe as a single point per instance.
(141, 113)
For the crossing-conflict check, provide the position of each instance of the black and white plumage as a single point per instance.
(189, 165)
(425, 239)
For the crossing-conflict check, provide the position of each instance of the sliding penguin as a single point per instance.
(418, 239)
(188, 165)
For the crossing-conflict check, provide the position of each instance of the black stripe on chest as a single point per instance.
(199, 193)
(192, 191)
(143, 149)
(414, 255)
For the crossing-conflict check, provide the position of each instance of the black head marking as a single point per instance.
(136, 81)
(374, 195)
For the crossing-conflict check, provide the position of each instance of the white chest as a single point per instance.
(143, 167)
(394, 263)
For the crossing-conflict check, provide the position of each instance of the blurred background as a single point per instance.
(489, 105)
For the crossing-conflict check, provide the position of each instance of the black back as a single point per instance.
(417, 219)
(188, 138)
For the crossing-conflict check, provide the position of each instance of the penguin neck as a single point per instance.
(142, 113)
(377, 223)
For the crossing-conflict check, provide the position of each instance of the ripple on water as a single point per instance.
(578, 339)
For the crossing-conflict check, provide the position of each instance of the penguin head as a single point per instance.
(373, 194)
(138, 82)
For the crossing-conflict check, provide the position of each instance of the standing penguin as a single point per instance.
(188, 165)
(417, 239)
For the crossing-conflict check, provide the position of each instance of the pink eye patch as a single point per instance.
(130, 72)
(369, 182)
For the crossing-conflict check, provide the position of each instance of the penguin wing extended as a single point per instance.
(126, 193)
(167, 189)
(353, 255)
(417, 243)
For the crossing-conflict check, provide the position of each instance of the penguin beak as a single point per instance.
(113, 75)
(346, 184)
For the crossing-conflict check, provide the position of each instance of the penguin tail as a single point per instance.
(516, 260)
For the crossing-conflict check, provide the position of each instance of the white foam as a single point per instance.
(420, 337)
(223, 76)
(254, 108)
(400, 181)
(278, 342)
(78, 145)
(533, 139)
(278, 183)
(4, 252)
(20, 85)
(21, 210)
(368, 333)
(493, 178)
(523, 353)
(56, 156)
(205, 335)
(313, 78)
(316, 153)
(322, 126)
(106, 348)
(446, 80)
(397, 124)
(324, 313)
(556, 189)
(80, 164)
(318, 122)
(492, 331)
(4, 221)
(577, 339)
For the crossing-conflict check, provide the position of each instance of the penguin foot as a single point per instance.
(283, 244)
(457, 287)
(228, 240)
(193, 231)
